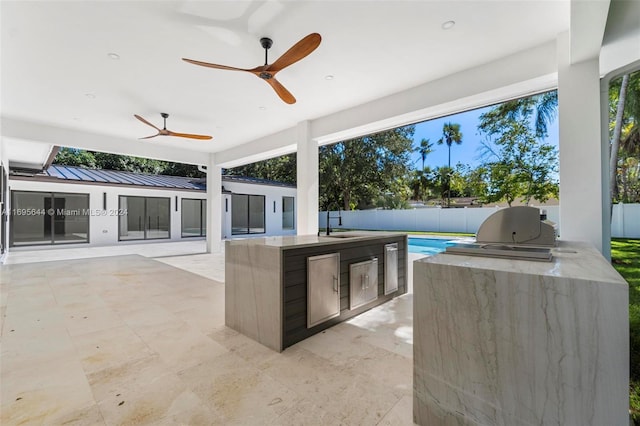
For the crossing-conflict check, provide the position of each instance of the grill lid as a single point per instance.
(517, 225)
(512, 233)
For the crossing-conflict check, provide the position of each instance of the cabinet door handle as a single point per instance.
(367, 280)
(362, 282)
(335, 283)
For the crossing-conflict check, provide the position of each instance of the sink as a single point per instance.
(341, 236)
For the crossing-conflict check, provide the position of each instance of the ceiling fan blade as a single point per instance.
(296, 52)
(152, 136)
(208, 65)
(190, 136)
(284, 94)
(145, 122)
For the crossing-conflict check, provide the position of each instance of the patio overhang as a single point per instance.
(601, 41)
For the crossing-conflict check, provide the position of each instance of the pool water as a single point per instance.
(428, 246)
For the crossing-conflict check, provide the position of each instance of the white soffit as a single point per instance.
(56, 68)
(27, 153)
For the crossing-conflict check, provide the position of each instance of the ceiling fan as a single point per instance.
(268, 72)
(165, 132)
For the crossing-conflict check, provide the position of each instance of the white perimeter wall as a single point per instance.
(625, 223)
(273, 219)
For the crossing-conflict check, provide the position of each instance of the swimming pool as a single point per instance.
(428, 246)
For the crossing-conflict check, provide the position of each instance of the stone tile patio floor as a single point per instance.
(132, 340)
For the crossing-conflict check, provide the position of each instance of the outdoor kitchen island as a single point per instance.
(281, 290)
(520, 342)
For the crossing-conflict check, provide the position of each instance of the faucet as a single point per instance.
(339, 217)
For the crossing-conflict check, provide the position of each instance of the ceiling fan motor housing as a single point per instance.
(266, 42)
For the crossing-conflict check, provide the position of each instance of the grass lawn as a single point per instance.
(625, 257)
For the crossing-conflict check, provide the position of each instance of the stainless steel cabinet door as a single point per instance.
(363, 283)
(323, 288)
(390, 268)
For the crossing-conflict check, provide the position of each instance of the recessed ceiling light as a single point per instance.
(261, 108)
(113, 56)
(328, 77)
(90, 95)
(448, 25)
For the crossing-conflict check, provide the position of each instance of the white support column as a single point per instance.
(214, 206)
(581, 162)
(307, 182)
(605, 148)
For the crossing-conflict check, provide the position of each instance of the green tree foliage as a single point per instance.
(280, 169)
(356, 173)
(503, 184)
(465, 181)
(624, 128)
(541, 109)
(421, 184)
(440, 180)
(518, 162)
(469, 182)
(106, 161)
(75, 157)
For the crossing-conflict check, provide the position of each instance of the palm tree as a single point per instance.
(546, 110)
(615, 143)
(624, 101)
(425, 149)
(450, 134)
(543, 108)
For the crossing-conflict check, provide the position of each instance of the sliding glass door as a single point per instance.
(158, 214)
(247, 214)
(49, 218)
(194, 217)
(144, 218)
(288, 217)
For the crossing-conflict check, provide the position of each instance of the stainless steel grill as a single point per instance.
(513, 233)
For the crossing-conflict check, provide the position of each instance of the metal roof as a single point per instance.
(81, 175)
(257, 181)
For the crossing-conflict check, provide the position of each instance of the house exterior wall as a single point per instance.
(103, 224)
(273, 217)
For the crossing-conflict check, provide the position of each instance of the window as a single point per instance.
(194, 217)
(49, 218)
(144, 218)
(287, 213)
(247, 214)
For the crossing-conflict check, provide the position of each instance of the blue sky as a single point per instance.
(469, 151)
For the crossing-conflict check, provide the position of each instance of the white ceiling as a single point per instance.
(56, 70)
(392, 63)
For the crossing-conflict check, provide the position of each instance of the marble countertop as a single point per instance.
(299, 241)
(571, 259)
